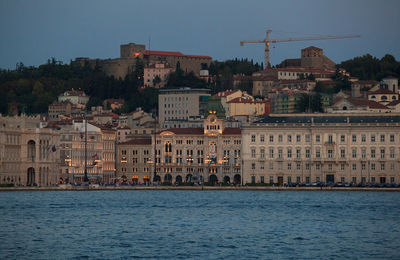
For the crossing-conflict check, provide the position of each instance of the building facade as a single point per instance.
(317, 147)
(210, 154)
(29, 154)
(181, 103)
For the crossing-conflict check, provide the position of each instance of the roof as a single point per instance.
(73, 93)
(115, 101)
(175, 54)
(366, 103)
(139, 141)
(393, 103)
(328, 119)
(312, 48)
(382, 91)
(245, 100)
(185, 131)
(298, 69)
(232, 131)
(225, 93)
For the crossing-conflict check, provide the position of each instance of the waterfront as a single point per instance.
(199, 224)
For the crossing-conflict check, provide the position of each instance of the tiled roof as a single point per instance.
(245, 100)
(381, 91)
(175, 53)
(115, 101)
(393, 103)
(313, 48)
(225, 93)
(139, 141)
(367, 103)
(185, 131)
(328, 119)
(232, 131)
(298, 69)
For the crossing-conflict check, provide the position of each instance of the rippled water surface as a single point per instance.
(199, 224)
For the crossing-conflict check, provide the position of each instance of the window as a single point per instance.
(289, 138)
(391, 152)
(271, 153)
(253, 138)
(372, 166)
(262, 140)
(253, 179)
(307, 153)
(318, 153)
(330, 167)
(354, 167)
(298, 166)
(391, 179)
(342, 167)
(330, 139)
(262, 166)
(382, 138)
(262, 153)
(253, 153)
(262, 179)
(289, 166)
(382, 153)
(363, 166)
(354, 153)
(342, 138)
(289, 153)
(391, 138)
(298, 153)
(271, 138)
(342, 179)
(253, 166)
(307, 179)
(271, 166)
(372, 153)
(354, 138)
(363, 138)
(342, 153)
(330, 153)
(318, 166)
(298, 179)
(307, 166)
(279, 153)
(372, 138)
(382, 166)
(271, 179)
(363, 153)
(317, 138)
(280, 166)
(307, 138)
(298, 138)
(280, 138)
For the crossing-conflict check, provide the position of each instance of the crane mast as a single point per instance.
(267, 41)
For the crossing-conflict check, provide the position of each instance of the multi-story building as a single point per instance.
(209, 154)
(29, 154)
(76, 97)
(156, 74)
(248, 106)
(134, 161)
(322, 147)
(181, 103)
(99, 155)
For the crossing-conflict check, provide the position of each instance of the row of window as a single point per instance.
(274, 179)
(290, 138)
(330, 153)
(318, 166)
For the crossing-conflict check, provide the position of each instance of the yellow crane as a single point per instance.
(267, 41)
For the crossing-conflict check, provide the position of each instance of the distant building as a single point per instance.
(248, 106)
(392, 84)
(29, 154)
(182, 103)
(114, 103)
(307, 148)
(76, 97)
(156, 74)
(383, 96)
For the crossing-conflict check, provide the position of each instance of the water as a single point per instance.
(199, 224)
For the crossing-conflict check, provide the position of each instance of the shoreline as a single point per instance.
(198, 188)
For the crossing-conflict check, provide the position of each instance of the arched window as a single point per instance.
(31, 150)
(384, 98)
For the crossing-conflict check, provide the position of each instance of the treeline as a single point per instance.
(368, 67)
(33, 89)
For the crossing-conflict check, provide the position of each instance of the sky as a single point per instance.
(34, 31)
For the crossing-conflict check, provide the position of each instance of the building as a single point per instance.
(62, 110)
(306, 148)
(383, 96)
(313, 57)
(353, 105)
(248, 106)
(29, 153)
(181, 103)
(113, 103)
(210, 154)
(76, 97)
(131, 53)
(100, 152)
(134, 161)
(156, 74)
(392, 84)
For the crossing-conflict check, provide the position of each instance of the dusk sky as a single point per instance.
(34, 31)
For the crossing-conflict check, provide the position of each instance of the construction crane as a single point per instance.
(267, 41)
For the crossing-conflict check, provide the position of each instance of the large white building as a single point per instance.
(322, 147)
